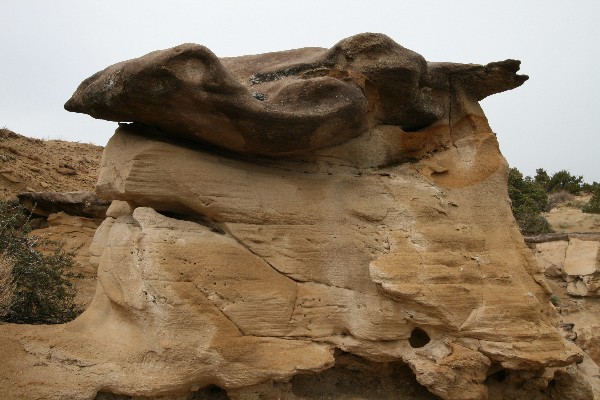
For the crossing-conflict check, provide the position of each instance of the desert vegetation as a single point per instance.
(593, 206)
(532, 196)
(35, 274)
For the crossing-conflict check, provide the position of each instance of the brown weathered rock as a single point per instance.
(246, 272)
(290, 102)
(84, 204)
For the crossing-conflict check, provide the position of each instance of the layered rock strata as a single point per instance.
(277, 214)
(575, 260)
(570, 262)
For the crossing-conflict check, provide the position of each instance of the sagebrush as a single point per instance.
(43, 291)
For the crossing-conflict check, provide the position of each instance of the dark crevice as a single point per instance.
(418, 338)
(196, 218)
(355, 377)
(156, 133)
(111, 396)
(499, 376)
(210, 392)
(451, 95)
(294, 70)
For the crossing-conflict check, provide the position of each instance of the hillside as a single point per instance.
(567, 216)
(28, 164)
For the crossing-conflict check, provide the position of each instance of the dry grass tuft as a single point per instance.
(557, 198)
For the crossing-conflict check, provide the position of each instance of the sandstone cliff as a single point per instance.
(284, 216)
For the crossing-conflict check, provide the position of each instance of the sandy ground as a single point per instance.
(568, 217)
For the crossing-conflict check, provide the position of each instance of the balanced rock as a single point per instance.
(384, 238)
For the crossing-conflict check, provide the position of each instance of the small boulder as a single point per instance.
(582, 257)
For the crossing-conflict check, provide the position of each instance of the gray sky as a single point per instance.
(48, 47)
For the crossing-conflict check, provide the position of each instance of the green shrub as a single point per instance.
(532, 224)
(542, 178)
(563, 180)
(525, 194)
(593, 206)
(590, 187)
(528, 200)
(42, 289)
(560, 181)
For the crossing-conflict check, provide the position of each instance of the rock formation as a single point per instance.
(82, 203)
(296, 214)
(571, 263)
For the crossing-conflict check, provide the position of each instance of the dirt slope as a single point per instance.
(28, 164)
(567, 217)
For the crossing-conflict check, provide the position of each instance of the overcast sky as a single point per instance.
(48, 47)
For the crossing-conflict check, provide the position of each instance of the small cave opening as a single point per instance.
(196, 218)
(210, 392)
(498, 376)
(111, 396)
(356, 377)
(418, 338)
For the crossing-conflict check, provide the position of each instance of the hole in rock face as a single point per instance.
(111, 396)
(211, 392)
(353, 377)
(499, 376)
(418, 338)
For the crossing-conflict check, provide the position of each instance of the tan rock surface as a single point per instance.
(551, 257)
(246, 272)
(574, 260)
(574, 295)
(582, 257)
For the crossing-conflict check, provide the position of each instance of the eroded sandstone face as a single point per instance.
(346, 201)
